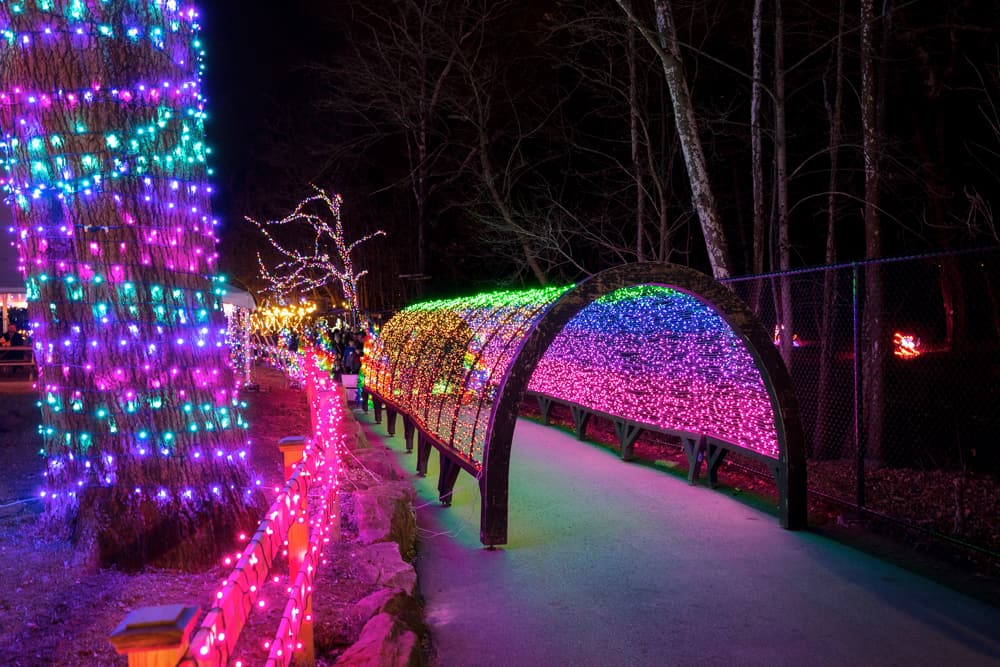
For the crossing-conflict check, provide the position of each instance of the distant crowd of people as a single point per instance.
(347, 348)
(12, 337)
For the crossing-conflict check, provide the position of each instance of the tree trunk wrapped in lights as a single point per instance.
(104, 157)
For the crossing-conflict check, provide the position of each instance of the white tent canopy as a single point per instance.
(238, 298)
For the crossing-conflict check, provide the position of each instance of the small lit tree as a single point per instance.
(328, 258)
(105, 163)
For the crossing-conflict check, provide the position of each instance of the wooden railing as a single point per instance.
(18, 356)
(170, 635)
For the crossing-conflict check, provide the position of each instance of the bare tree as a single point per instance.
(664, 42)
(328, 259)
(399, 70)
(873, 327)
(979, 216)
(512, 200)
(834, 108)
(596, 40)
(756, 141)
(637, 162)
(781, 190)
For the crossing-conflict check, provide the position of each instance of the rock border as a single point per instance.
(394, 633)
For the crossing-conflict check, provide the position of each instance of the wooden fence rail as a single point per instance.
(169, 635)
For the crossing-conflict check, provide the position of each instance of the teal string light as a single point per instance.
(107, 169)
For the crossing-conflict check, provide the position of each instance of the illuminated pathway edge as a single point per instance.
(614, 564)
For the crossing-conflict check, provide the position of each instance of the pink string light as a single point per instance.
(649, 354)
(215, 639)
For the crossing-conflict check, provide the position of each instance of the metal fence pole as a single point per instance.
(859, 446)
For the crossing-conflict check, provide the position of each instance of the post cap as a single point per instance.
(293, 441)
(162, 627)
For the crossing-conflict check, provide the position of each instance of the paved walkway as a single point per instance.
(612, 563)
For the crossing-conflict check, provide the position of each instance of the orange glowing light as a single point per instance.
(780, 329)
(906, 346)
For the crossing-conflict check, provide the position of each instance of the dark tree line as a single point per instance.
(529, 142)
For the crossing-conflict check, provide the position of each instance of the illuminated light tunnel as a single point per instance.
(654, 347)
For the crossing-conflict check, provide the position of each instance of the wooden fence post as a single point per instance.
(298, 543)
(325, 401)
(291, 450)
(155, 636)
(311, 401)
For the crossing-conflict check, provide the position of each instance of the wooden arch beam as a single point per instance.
(494, 476)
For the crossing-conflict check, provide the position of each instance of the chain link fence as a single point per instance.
(896, 365)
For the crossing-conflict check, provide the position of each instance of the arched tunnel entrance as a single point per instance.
(654, 347)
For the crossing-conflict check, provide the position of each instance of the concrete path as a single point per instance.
(612, 563)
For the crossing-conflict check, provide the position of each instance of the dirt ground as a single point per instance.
(52, 614)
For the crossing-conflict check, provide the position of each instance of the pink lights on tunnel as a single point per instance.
(648, 354)
(660, 357)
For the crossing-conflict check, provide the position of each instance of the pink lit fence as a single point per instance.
(160, 635)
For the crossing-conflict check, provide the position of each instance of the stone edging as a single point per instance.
(394, 631)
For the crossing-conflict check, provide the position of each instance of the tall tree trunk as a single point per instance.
(756, 141)
(687, 131)
(141, 428)
(424, 110)
(661, 183)
(664, 41)
(759, 245)
(633, 102)
(823, 444)
(781, 190)
(953, 301)
(420, 196)
(874, 346)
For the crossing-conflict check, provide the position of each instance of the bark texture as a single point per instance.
(687, 130)
(757, 141)
(828, 319)
(781, 189)
(874, 347)
(664, 42)
(106, 164)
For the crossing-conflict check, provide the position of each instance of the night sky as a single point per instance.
(256, 54)
(252, 50)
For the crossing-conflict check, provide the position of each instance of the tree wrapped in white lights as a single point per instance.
(303, 270)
